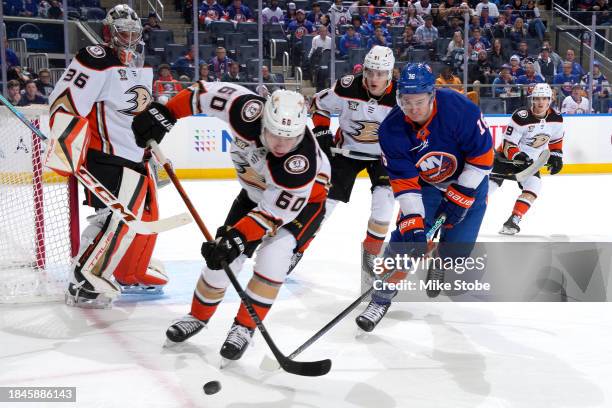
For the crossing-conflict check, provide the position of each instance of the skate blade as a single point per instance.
(169, 343)
(102, 302)
(506, 231)
(225, 362)
(361, 334)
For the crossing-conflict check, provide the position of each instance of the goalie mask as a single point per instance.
(123, 33)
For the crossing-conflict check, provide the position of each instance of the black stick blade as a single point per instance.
(306, 368)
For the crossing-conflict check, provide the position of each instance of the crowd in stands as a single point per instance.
(53, 9)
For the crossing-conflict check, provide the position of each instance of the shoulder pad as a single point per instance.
(351, 87)
(245, 115)
(554, 116)
(297, 168)
(522, 116)
(346, 81)
(98, 57)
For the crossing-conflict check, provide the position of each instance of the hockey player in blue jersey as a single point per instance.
(438, 153)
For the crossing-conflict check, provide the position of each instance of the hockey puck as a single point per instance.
(212, 387)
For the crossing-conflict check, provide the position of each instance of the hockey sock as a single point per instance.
(261, 292)
(206, 298)
(523, 203)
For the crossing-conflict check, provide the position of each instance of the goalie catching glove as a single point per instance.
(228, 246)
(152, 124)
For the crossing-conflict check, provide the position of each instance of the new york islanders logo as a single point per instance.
(435, 167)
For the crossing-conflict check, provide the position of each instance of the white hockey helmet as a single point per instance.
(284, 116)
(124, 33)
(381, 59)
(541, 90)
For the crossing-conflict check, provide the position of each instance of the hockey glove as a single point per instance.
(455, 204)
(522, 161)
(152, 124)
(555, 161)
(324, 138)
(228, 246)
(412, 231)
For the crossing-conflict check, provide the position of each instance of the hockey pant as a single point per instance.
(109, 247)
(454, 242)
(272, 259)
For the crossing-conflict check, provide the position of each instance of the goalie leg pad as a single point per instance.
(67, 145)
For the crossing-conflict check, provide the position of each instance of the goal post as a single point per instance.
(39, 220)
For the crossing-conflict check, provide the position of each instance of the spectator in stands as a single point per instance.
(321, 42)
(233, 74)
(503, 84)
(446, 79)
(530, 78)
(531, 14)
(359, 27)
(29, 8)
(188, 11)
(456, 43)
(270, 80)
(501, 29)
(465, 8)
(455, 25)
(297, 30)
(324, 21)
(291, 15)
(340, 15)
(486, 22)
(497, 55)
(481, 72)
(43, 83)
(515, 67)
(31, 95)
(601, 8)
(409, 41)
(440, 23)
(205, 74)
(272, 13)
(570, 56)
(210, 11)
(357, 69)
(315, 14)
(427, 34)
(518, 33)
(152, 24)
(19, 74)
(220, 63)
(165, 83)
(12, 59)
(238, 12)
(392, 16)
(490, 7)
(566, 78)
(396, 73)
(423, 7)
(43, 9)
(556, 58)
(473, 23)
(185, 64)
(412, 18)
(509, 14)
(350, 39)
(545, 66)
(478, 42)
(55, 11)
(14, 92)
(522, 50)
(378, 39)
(576, 103)
(601, 86)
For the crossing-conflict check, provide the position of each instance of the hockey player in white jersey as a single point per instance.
(284, 177)
(107, 85)
(362, 102)
(529, 132)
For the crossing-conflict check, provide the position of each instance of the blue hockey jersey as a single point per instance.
(454, 145)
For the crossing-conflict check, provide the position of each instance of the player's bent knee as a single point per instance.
(274, 256)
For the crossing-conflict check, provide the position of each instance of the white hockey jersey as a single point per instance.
(359, 114)
(281, 186)
(98, 87)
(570, 106)
(530, 134)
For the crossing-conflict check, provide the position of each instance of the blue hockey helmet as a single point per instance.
(416, 79)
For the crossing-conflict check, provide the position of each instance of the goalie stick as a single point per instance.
(116, 206)
(305, 368)
(267, 364)
(528, 172)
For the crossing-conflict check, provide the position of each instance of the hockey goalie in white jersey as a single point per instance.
(284, 177)
(529, 132)
(107, 85)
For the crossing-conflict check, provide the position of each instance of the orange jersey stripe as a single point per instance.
(399, 185)
(485, 159)
(320, 120)
(180, 104)
(558, 145)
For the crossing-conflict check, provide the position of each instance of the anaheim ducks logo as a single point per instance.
(141, 99)
(247, 174)
(364, 131)
(539, 140)
(435, 167)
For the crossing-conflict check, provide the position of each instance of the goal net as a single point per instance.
(38, 214)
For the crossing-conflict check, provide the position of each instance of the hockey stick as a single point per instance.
(354, 154)
(528, 172)
(109, 199)
(306, 368)
(267, 364)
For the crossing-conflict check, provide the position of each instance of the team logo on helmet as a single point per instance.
(297, 164)
(252, 110)
(435, 167)
(141, 99)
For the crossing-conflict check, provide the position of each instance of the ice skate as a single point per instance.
(182, 329)
(511, 227)
(370, 317)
